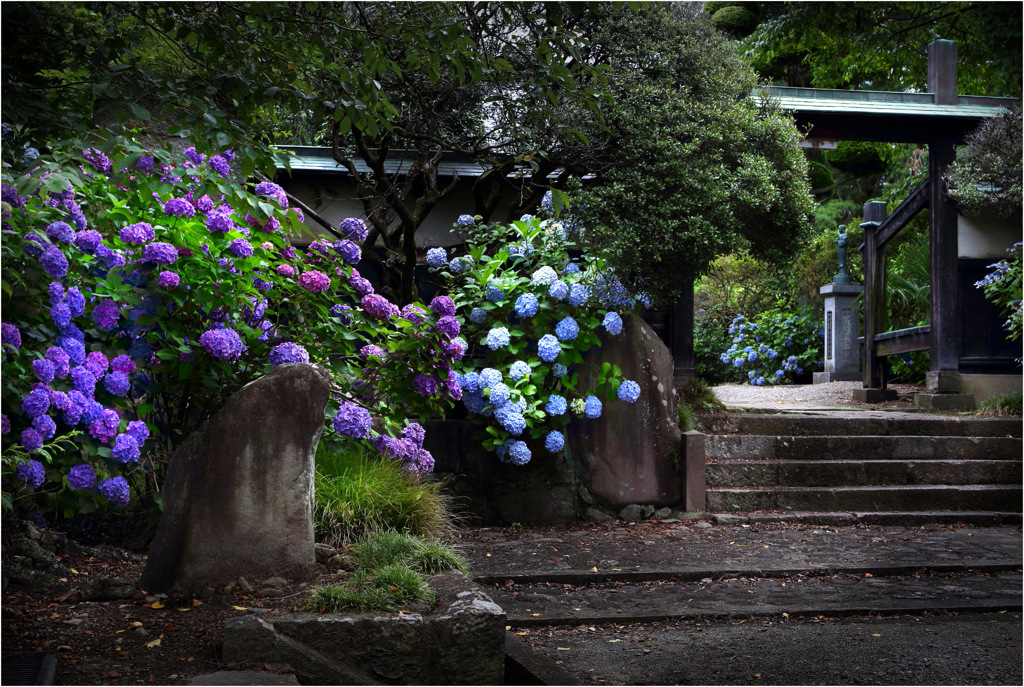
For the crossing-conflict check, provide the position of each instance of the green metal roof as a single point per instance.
(836, 101)
(321, 160)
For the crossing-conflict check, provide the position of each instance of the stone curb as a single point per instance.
(526, 666)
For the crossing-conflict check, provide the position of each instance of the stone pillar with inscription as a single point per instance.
(842, 328)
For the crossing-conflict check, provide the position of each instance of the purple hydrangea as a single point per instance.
(219, 165)
(203, 204)
(424, 385)
(223, 344)
(272, 190)
(379, 307)
(100, 162)
(122, 363)
(54, 263)
(240, 248)
(97, 364)
(75, 301)
(360, 285)
(285, 270)
(414, 313)
(61, 231)
(44, 370)
(567, 329)
(447, 325)
(348, 251)
(145, 163)
(526, 305)
(372, 350)
(314, 281)
(45, 425)
(497, 338)
(168, 280)
(342, 312)
(160, 253)
(92, 410)
(59, 399)
(353, 229)
(352, 421)
(81, 477)
(139, 431)
(31, 439)
(73, 347)
(105, 315)
(554, 442)
(179, 207)
(5, 424)
(288, 352)
(444, 306)
(117, 383)
(60, 360)
(219, 220)
(140, 232)
(115, 490)
(105, 428)
(195, 157)
(31, 473)
(61, 315)
(456, 348)
(36, 402)
(83, 380)
(126, 449)
(9, 335)
(88, 241)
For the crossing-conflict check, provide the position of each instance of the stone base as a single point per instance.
(945, 401)
(874, 395)
(826, 377)
(942, 382)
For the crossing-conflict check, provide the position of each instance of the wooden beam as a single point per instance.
(904, 341)
(945, 292)
(874, 293)
(918, 200)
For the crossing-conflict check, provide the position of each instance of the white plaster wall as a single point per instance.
(985, 236)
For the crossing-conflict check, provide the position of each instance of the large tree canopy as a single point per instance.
(700, 168)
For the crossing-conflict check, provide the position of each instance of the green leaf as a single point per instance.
(141, 112)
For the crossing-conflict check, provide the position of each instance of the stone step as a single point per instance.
(861, 448)
(824, 473)
(880, 518)
(829, 423)
(868, 498)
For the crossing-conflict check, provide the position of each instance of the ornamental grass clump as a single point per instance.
(777, 348)
(142, 286)
(529, 309)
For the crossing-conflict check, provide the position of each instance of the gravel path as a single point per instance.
(834, 394)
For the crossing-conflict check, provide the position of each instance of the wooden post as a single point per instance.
(945, 292)
(680, 323)
(942, 71)
(874, 293)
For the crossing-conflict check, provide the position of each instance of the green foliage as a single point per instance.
(705, 173)
(910, 368)
(710, 338)
(396, 549)
(695, 396)
(1003, 405)
(778, 348)
(817, 263)
(820, 176)
(908, 284)
(737, 283)
(986, 175)
(1003, 288)
(735, 20)
(359, 494)
(859, 157)
(386, 589)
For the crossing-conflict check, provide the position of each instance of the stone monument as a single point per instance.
(842, 323)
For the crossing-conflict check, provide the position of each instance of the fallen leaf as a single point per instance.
(197, 602)
(240, 608)
(155, 642)
(562, 648)
(508, 627)
(112, 673)
(64, 647)
(74, 571)
(876, 635)
(535, 614)
(136, 624)
(593, 570)
(868, 575)
(168, 627)
(157, 604)
(521, 633)
(614, 641)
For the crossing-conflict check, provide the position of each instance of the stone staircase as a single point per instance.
(840, 468)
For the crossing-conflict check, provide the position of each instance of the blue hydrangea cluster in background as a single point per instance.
(776, 349)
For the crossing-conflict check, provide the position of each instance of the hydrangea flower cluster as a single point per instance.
(760, 348)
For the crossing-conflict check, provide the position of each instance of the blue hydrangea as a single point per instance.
(489, 377)
(554, 442)
(494, 293)
(115, 490)
(518, 452)
(751, 357)
(477, 315)
(81, 477)
(725, 358)
(556, 405)
(544, 276)
(547, 203)
(567, 329)
(513, 421)
(559, 370)
(288, 352)
(558, 289)
(126, 448)
(548, 348)
(465, 221)
(31, 473)
(474, 402)
(470, 382)
(571, 268)
(519, 370)
(437, 257)
(497, 338)
(526, 305)
(592, 409)
(499, 394)
(578, 295)
(629, 391)
(461, 264)
(612, 323)
(779, 374)
(117, 383)
(36, 402)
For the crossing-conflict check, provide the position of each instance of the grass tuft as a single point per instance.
(359, 494)
(394, 548)
(1007, 405)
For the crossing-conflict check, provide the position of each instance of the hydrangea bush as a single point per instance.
(141, 288)
(530, 311)
(1002, 286)
(777, 348)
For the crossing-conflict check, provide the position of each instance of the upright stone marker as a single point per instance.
(842, 325)
(238, 499)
